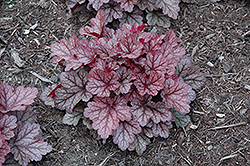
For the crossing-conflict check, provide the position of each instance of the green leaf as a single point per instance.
(181, 119)
(73, 118)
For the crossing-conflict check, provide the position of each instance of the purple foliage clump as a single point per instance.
(123, 83)
(18, 132)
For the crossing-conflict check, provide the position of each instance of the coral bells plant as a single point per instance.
(18, 132)
(127, 83)
(158, 12)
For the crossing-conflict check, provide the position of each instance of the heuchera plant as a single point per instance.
(18, 132)
(158, 12)
(125, 83)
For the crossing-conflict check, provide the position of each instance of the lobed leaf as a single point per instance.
(112, 10)
(73, 118)
(26, 145)
(158, 18)
(97, 23)
(146, 109)
(190, 73)
(125, 133)
(106, 113)
(133, 17)
(4, 150)
(133, 94)
(175, 96)
(12, 100)
(171, 39)
(124, 75)
(147, 4)
(181, 119)
(149, 85)
(63, 51)
(169, 7)
(140, 143)
(84, 54)
(160, 129)
(7, 124)
(101, 82)
(127, 5)
(97, 3)
(73, 90)
(27, 115)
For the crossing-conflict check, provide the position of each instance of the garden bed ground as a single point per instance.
(215, 35)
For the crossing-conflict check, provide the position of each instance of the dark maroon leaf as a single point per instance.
(125, 133)
(12, 100)
(73, 90)
(133, 94)
(106, 113)
(175, 96)
(26, 146)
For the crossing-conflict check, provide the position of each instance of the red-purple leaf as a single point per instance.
(149, 85)
(140, 143)
(161, 61)
(12, 100)
(160, 129)
(97, 3)
(171, 39)
(84, 54)
(102, 82)
(96, 24)
(73, 90)
(4, 150)
(125, 133)
(112, 10)
(106, 113)
(175, 96)
(62, 51)
(154, 42)
(133, 94)
(26, 146)
(124, 80)
(146, 109)
(190, 73)
(147, 4)
(130, 46)
(127, 5)
(7, 124)
(169, 7)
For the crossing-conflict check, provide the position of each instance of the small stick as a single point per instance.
(107, 158)
(227, 126)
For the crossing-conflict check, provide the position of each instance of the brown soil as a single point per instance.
(214, 34)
